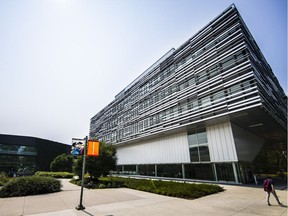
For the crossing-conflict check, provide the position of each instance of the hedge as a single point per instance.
(30, 185)
(167, 188)
(174, 189)
(55, 174)
(3, 178)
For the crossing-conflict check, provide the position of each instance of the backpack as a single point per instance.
(267, 185)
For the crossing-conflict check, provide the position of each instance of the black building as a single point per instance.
(25, 155)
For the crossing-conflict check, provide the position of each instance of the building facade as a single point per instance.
(22, 155)
(202, 111)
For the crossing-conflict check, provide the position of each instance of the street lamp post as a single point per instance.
(80, 206)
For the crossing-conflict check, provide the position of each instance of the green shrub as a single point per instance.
(30, 185)
(55, 174)
(113, 182)
(103, 182)
(185, 190)
(3, 178)
(167, 188)
(175, 189)
(62, 163)
(98, 166)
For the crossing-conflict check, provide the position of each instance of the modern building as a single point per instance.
(202, 111)
(24, 155)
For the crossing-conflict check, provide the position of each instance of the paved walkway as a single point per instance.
(235, 200)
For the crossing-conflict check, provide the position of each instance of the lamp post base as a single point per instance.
(80, 207)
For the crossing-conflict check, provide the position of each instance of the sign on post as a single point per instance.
(77, 147)
(93, 148)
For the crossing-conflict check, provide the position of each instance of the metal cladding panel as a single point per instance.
(221, 143)
(168, 149)
(218, 72)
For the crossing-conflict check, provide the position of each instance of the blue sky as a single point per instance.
(62, 61)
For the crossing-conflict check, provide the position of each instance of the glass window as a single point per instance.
(246, 84)
(218, 96)
(213, 71)
(199, 171)
(182, 86)
(206, 101)
(169, 170)
(18, 164)
(194, 154)
(156, 99)
(191, 81)
(202, 77)
(234, 89)
(130, 169)
(198, 145)
(202, 138)
(225, 172)
(228, 62)
(183, 107)
(146, 123)
(145, 103)
(18, 149)
(204, 153)
(192, 139)
(193, 104)
(146, 170)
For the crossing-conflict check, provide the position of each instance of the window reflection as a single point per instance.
(198, 145)
(18, 149)
(194, 154)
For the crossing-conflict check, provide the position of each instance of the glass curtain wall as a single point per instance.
(19, 165)
(18, 149)
(17, 159)
(199, 171)
(225, 172)
(146, 170)
(169, 170)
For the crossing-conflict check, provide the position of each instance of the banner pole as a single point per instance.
(80, 206)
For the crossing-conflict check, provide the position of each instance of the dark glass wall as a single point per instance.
(146, 170)
(25, 155)
(225, 172)
(199, 171)
(169, 170)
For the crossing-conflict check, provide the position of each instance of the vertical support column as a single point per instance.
(155, 170)
(215, 171)
(137, 173)
(235, 172)
(183, 171)
(122, 169)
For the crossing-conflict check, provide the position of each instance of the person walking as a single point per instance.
(268, 186)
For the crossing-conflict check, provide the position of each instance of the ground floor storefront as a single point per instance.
(218, 172)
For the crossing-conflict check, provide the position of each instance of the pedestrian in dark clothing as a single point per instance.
(269, 188)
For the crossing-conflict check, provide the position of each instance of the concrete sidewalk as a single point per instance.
(235, 200)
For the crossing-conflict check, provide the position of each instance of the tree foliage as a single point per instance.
(62, 163)
(101, 165)
(272, 158)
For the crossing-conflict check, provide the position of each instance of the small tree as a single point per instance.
(101, 165)
(62, 163)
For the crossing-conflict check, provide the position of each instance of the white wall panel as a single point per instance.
(168, 149)
(221, 143)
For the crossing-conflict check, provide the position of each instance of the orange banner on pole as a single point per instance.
(93, 148)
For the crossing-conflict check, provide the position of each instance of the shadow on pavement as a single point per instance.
(87, 213)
